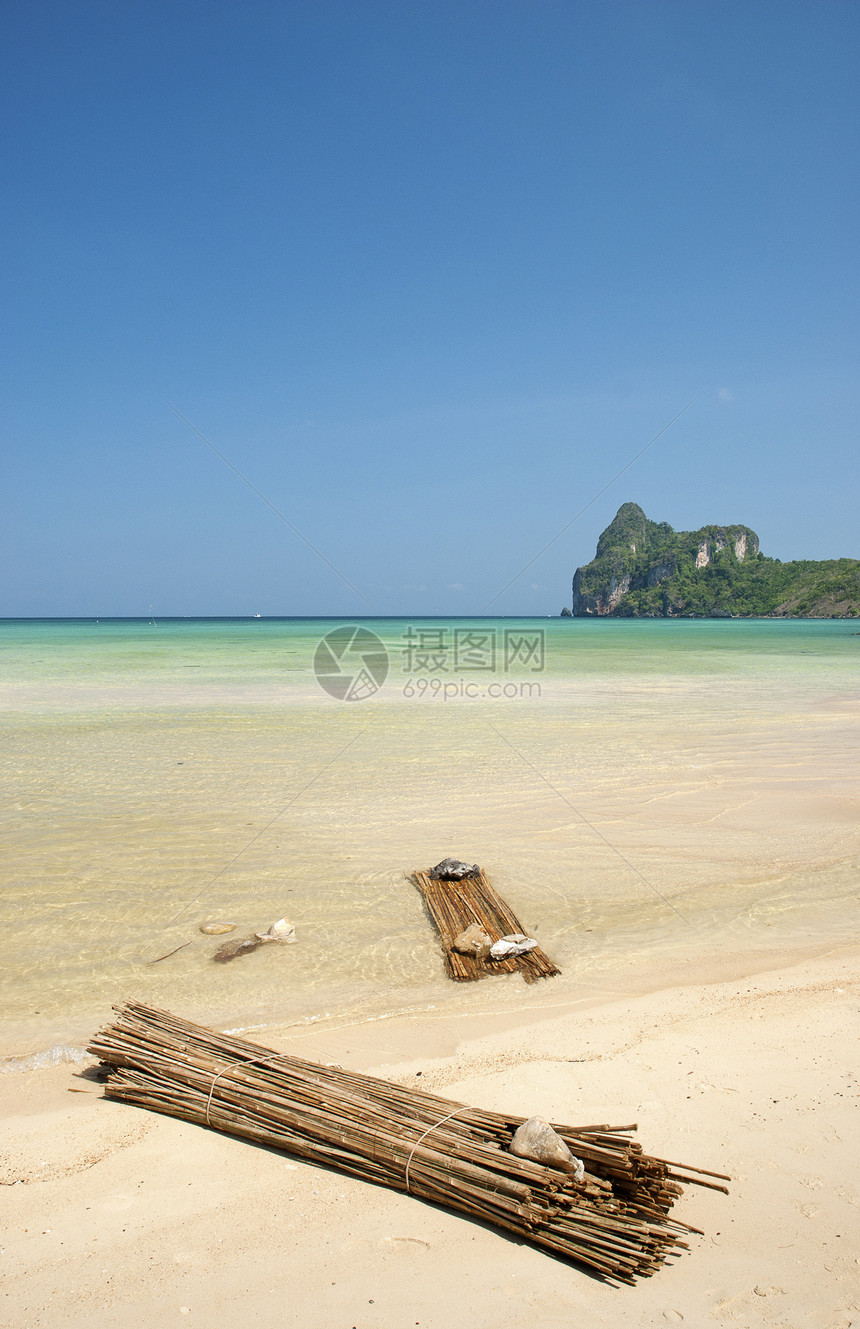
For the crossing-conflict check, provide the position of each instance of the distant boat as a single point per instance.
(258, 615)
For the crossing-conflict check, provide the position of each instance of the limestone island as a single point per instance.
(645, 569)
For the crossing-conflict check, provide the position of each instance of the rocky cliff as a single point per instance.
(645, 569)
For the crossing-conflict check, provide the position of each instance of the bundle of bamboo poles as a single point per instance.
(615, 1221)
(456, 905)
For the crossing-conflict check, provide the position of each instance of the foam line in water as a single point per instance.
(39, 1061)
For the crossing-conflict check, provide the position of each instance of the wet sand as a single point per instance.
(639, 832)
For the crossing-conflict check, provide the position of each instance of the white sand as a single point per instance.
(119, 1218)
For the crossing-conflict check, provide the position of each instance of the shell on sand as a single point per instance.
(215, 929)
(282, 930)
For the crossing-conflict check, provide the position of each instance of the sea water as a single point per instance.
(659, 801)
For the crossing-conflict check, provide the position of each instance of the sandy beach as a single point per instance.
(119, 1217)
(674, 818)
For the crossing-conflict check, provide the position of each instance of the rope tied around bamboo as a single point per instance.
(423, 1136)
(615, 1221)
(225, 1070)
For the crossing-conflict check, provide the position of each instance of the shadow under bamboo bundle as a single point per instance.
(614, 1221)
(456, 905)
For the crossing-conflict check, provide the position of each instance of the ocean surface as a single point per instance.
(659, 801)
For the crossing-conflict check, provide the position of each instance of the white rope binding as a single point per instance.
(434, 1127)
(237, 1066)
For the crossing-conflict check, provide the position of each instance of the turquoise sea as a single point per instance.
(659, 801)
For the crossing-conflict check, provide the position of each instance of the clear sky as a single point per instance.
(429, 273)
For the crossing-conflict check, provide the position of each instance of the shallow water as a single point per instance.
(657, 800)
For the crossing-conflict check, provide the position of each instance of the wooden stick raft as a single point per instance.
(456, 905)
(615, 1220)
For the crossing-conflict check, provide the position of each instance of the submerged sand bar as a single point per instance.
(680, 798)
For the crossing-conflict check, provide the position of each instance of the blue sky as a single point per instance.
(429, 275)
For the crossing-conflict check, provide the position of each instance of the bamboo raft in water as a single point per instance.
(614, 1221)
(456, 905)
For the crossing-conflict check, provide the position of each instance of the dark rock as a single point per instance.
(659, 573)
(231, 949)
(452, 869)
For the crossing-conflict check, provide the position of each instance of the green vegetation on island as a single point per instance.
(645, 569)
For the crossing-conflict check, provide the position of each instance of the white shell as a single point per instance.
(282, 930)
(512, 946)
